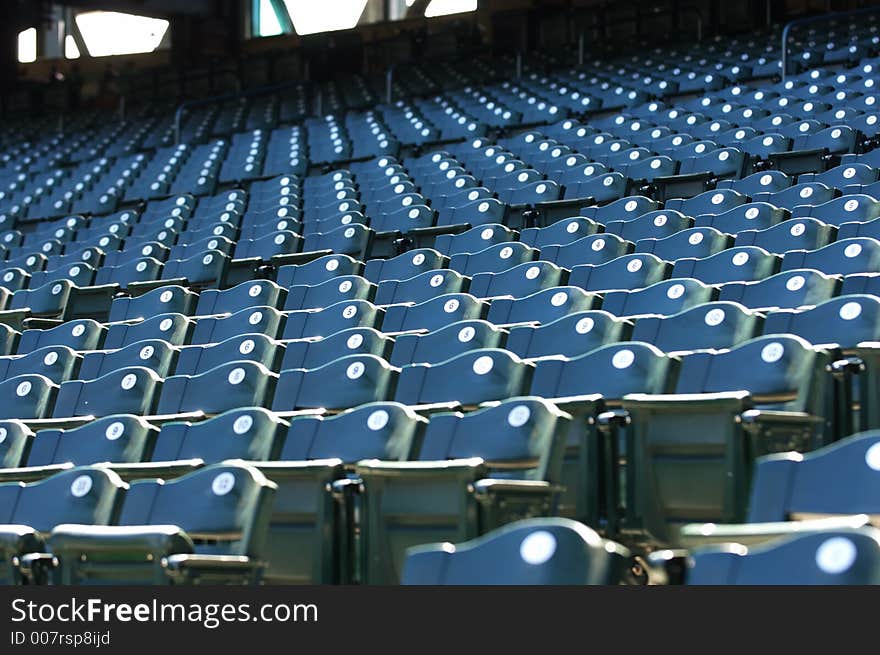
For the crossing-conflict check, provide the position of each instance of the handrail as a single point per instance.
(201, 102)
(790, 25)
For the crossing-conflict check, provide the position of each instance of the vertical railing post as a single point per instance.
(389, 84)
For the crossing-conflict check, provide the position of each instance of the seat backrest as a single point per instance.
(780, 371)
(239, 383)
(252, 293)
(541, 551)
(224, 508)
(844, 321)
(85, 495)
(610, 371)
(121, 438)
(663, 298)
(470, 378)
(839, 479)
(342, 383)
(249, 433)
(387, 431)
(711, 325)
(16, 440)
(518, 438)
(845, 556)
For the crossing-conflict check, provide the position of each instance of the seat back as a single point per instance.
(543, 551)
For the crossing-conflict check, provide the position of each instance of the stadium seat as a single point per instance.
(528, 552)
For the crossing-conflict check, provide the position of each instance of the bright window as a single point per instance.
(445, 7)
(71, 51)
(312, 16)
(113, 33)
(27, 45)
(269, 25)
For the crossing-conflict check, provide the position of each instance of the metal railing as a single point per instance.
(809, 20)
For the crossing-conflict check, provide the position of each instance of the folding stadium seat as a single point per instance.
(84, 495)
(354, 240)
(447, 342)
(434, 313)
(29, 396)
(634, 271)
(458, 218)
(164, 300)
(327, 293)
(760, 182)
(135, 388)
(14, 279)
(191, 243)
(468, 379)
(785, 498)
(331, 319)
(845, 209)
(225, 507)
(493, 259)
(243, 384)
(345, 382)
(56, 363)
(118, 439)
(651, 225)
(625, 209)
(571, 335)
(475, 239)
(585, 385)
(814, 193)
(764, 395)
(800, 234)
(154, 354)
(787, 290)
(751, 216)
(201, 270)
(80, 335)
(695, 243)
(813, 152)
(194, 360)
(250, 433)
(542, 306)
(697, 174)
(172, 328)
(559, 233)
(592, 250)
(843, 176)
(318, 270)
(263, 293)
(462, 457)
(858, 255)
(519, 281)
(404, 266)
(305, 543)
(251, 320)
(315, 352)
(845, 555)
(851, 324)
(740, 264)
(663, 298)
(602, 188)
(709, 202)
(710, 326)
(545, 551)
